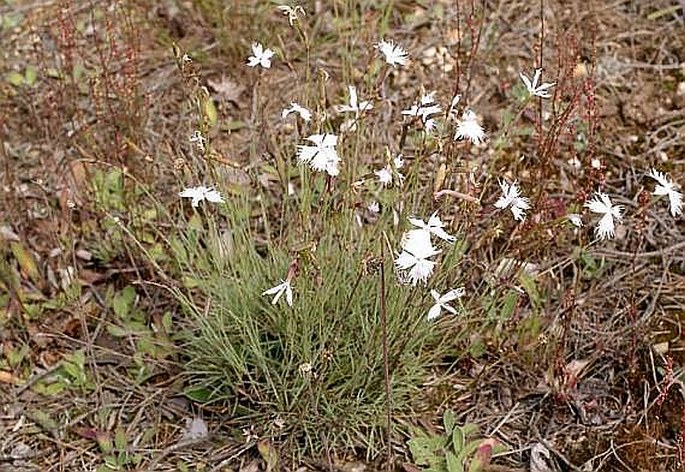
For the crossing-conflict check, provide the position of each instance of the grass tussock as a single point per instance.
(313, 371)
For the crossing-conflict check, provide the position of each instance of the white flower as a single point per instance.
(394, 54)
(323, 155)
(434, 226)
(413, 262)
(424, 110)
(602, 204)
(595, 163)
(260, 56)
(453, 105)
(305, 369)
(398, 161)
(279, 290)
(511, 197)
(292, 12)
(296, 108)
(384, 175)
(441, 301)
(575, 219)
(430, 125)
(533, 87)
(201, 193)
(665, 186)
(354, 106)
(469, 128)
(199, 140)
(374, 207)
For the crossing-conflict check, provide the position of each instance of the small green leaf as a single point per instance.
(458, 439)
(424, 449)
(201, 394)
(11, 20)
(469, 429)
(72, 370)
(120, 439)
(210, 112)
(50, 389)
(117, 331)
(269, 454)
(453, 463)
(664, 12)
(448, 421)
(469, 449)
(111, 463)
(104, 440)
(15, 78)
(123, 302)
(30, 75)
(44, 420)
(182, 467)
(235, 125)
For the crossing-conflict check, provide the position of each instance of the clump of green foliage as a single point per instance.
(314, 370)
(454, 451)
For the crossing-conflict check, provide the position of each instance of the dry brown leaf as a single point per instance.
(7, 377)
(661, 348)
(575, 368)
(540, 459)
(27, 263)
(228, 90)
